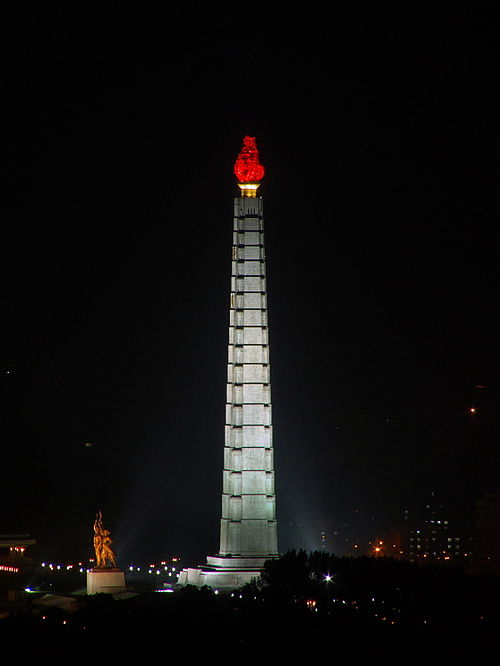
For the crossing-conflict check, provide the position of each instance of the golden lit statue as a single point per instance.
(104, 554)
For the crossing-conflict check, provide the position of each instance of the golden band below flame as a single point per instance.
(248, 189)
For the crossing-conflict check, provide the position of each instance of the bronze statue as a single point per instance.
(104, 554)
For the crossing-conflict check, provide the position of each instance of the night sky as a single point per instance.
(379, 135)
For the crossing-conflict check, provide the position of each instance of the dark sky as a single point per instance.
(379, 137)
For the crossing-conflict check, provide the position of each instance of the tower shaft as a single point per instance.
(248, 524)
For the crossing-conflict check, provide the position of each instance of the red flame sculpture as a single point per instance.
(247, 167)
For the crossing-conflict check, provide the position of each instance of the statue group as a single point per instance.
(104, 554)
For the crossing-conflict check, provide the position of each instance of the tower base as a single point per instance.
(224, 573)
(108, 581)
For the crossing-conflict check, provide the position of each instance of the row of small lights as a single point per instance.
(83, 568)
(153, 568)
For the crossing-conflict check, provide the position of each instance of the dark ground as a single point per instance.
(370, 605)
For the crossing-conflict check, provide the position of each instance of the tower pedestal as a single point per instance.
(109, 581)
(224, 572)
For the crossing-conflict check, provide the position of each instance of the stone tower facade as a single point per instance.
(248, 525)
(248, 532)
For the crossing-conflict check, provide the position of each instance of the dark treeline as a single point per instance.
(404, 590)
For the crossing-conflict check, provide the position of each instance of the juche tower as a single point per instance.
(248, 532)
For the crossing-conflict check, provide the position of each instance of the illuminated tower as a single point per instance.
(248, 533)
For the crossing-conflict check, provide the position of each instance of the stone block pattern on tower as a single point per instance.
(248, 524)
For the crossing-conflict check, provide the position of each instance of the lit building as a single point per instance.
(248, 531)
(432, 540)
(16, 568)
(13, 550)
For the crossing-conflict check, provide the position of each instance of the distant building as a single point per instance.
(431, 539)
(486, 558)
(13, 551)
(15, 567)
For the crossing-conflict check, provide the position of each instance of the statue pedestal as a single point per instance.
(109, 581)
